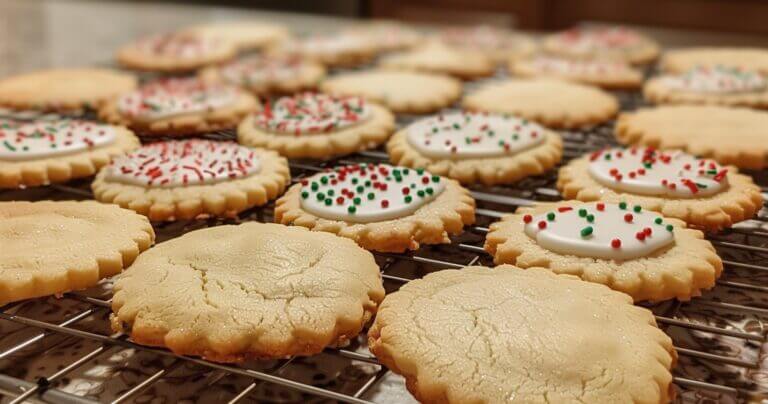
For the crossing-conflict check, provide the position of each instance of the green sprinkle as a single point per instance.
(582, 213)
(315, 186)
(586, 231)
(658, 220)
(607, 156)
(590, 218)
(320, 196)
(622, 205)
(360, 189)
(328, 201)
(637, 208)
(304, 194)
(420, 193)
(430, 190)
(356, 201)
(367, 183)
(420, 171)
(551, 216)
(669, 227)
(324, 180)
(371, 195)
(435, 178)
(351, 209)
(408, 199)
(406, 171)
(331, 192)
(354, 181)
(491, 133)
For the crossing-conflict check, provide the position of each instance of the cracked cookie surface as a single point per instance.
(55, 247)
(253, 291)
(502, 334)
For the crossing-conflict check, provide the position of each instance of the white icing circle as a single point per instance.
(547, 64)
(613, 233)
(309, 113)
(174, 97)
(180, 46)
(28, 141)
(184, 162)
(469, 135)
(256, 70)
(717, 80)
(369, 193)
(645, 171)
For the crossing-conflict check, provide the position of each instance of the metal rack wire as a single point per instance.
(719, 336)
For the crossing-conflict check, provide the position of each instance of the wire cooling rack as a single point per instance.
(719, 336)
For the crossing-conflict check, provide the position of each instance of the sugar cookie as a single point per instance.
(601, 73)
(400, 91)
(436, 57)
(500, 45)
(180, 107)
(500, 335)
(332, 50)
(381, 207)
(246, 35)
(55, 247)
(685, 59)
(178, 52)
(387, 36)
(732, 136)
(44, 152)
(264, 76)
(253, 291)
(64, 89)
(613, 43)
(623, 246)
(317, 126)
(470, 147)
(728, 86)
(185, 179)
(699, 192)
(553, 103)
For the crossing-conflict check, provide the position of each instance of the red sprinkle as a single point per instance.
(640, 235)
(527, 218)
(616, 243)
(384, 203)
(601, 206)
(647, 231)
(542, 224)
(628, 218)
(564, 209)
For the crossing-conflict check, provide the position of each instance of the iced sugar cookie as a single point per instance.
(332, 50)
(400, 91)
(381, 207)
(499, 44)
(387, 36)
(614, 43)
(733, 136)
(44, 152)
(317, 126)
(621, 245)
(180, 107)
(700, 192)
(189, 178)
(253, 291)
(601, 73)
(436, 57)
(730, 86)
(474, 147)
(264, 76)
(500, 335)
(685, 59)
(63, 89)
(246, 35)
(179, 52)
(553, 103)
(55, 247)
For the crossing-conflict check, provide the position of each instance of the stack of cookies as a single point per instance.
(632, 227)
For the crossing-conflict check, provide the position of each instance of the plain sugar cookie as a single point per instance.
(477, 147)
(500, 335)
(64, 89)
(55, 247)
(400, 91)
(436, 57)
(623, 246)
(253, 291)
(553, 103)
(732, 136)
(381, 207)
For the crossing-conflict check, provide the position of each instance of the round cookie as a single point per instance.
(265, 76)
(685, 59)
(553, 103)
(180, 107)
(44, 152)
(500, 335)
(317, 126)
(623, 246)
(331, 50)
(436, 57)
(55, 247)
(613, 43)
(387, 36)
(500, 45)
(174, 53)
(252, 291)
(470, 147)
(716, 85)
(189, 178)
(381, 207)
(699, 192)
(732, 136)
(246, 35)
(64, 89)
(400, 91)
(601, 73)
